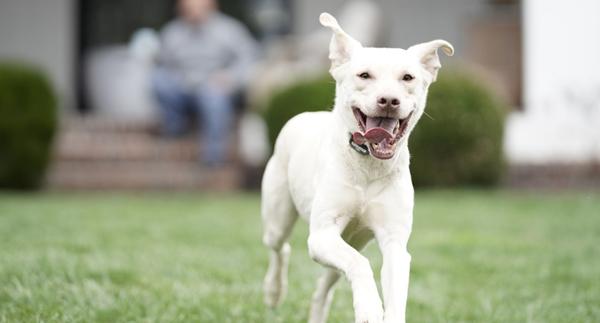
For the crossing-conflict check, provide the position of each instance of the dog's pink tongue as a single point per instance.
(379, 129)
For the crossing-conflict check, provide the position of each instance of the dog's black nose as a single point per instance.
(388, 102)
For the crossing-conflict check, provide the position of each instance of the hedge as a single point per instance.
(27, 125)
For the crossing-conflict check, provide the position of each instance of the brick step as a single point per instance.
(92, 153)
(89, 124)
(71, 146)
(554, 176)
(76, 142)
(154, 175)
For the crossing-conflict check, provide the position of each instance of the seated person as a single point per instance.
(204, 60)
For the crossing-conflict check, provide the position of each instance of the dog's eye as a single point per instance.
(407, 77)
(364, 75)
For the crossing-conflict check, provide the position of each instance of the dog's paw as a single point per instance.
(394, 320)
(274, 288)
(369, 313)
(274, 294)
(275, 283)
(369, 320)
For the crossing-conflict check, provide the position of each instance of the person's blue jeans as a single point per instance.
(212, 107)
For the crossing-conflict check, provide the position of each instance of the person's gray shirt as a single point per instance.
(196, 53)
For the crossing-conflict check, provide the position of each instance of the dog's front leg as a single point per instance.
(327, 247)
(392, 224)
(394, 278)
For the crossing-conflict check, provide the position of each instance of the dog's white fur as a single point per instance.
(349, 198)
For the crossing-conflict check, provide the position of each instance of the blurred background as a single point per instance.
(134, 133)
(534, 59)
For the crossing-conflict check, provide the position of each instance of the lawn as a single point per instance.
(478, 256)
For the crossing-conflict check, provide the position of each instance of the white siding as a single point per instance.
(561, 119)
(41, 32)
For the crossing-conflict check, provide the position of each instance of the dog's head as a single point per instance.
(381, 92)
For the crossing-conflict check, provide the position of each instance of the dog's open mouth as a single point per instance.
(380, 133)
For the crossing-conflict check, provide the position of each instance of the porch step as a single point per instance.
(554, 176)
(90, 124)
(99, 154)
(149, 175)
(111, 146)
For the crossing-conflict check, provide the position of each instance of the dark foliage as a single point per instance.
(461, 144)
(27, 125)
(309, 95)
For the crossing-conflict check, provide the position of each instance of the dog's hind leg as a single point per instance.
(323, 295)
(279, 216)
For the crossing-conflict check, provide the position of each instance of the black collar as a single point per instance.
(361, 149)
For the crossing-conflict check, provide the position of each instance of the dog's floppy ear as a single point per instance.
(427, 53)
(342, 45)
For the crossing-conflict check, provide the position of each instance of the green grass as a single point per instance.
(477, 257)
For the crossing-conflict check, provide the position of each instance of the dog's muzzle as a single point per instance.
(379, 134)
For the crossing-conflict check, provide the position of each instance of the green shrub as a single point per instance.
(307, 95)
(461, 143)
(27, 125)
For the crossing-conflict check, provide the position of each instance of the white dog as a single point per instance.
(346, 172)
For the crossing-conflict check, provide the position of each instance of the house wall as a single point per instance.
(41, 32)
(561, 119)
(405, 22)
